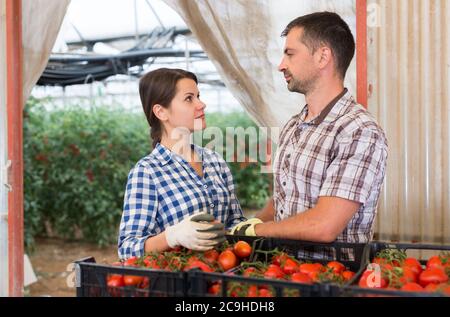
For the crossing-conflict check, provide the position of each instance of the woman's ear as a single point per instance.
(160, 112)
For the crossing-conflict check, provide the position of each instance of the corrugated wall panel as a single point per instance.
(409, 58)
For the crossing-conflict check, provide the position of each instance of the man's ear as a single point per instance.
(160, 112)
(323, 56)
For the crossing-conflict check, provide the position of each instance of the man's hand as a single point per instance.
(246, 228)
(197, 232)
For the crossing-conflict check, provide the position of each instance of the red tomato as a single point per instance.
(115, 280)
(280, 258)
(211, 256)
(265, 293)
(250, 271)
(175, 264)
(131, 261)
(151, 263)
(412, 287)
(432, 275)
(274, 271)
(301, 278)
(384, 261)
(252, 291)
(431, 287)
(369, 279)
(408, 275)
(198, 264)
(348, 275)
(414, 264)
(336, 266)
(242, 249)
(214, 289)
(444, 288)
(132, 280)
(311, 268)
(145, 283)
(289, 266)
(434, 262)
(227, 260)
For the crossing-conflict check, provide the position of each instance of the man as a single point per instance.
(331, 157)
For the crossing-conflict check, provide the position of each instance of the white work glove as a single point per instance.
(197, 232)
(246, 228)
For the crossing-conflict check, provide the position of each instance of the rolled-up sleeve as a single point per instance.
(361, 157)
(139, 213)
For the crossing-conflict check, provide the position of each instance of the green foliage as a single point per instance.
(252, 186)
(77, 161)
(76, 167)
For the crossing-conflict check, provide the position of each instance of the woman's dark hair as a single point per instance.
(330, 29)
(160, 87)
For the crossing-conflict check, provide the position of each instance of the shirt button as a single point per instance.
(212, 205)
(284, 183)
(205, 186)
(281, 211)
(288, 156)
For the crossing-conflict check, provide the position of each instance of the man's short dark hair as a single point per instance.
(330, 29)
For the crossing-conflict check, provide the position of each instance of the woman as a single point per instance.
(168, 189)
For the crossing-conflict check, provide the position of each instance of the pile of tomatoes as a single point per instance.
(283, 267)
(177, 260)
(391, 269)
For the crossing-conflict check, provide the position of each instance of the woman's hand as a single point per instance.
(197, 232)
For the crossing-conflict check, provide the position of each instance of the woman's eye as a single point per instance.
(189, 98)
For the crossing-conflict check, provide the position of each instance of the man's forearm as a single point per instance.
(323, 223)
(298, 227)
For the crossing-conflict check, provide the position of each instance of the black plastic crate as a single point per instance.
(372, 248)
(91, 281)
(200, 283)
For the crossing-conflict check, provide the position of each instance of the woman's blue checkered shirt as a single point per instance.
(163, 189)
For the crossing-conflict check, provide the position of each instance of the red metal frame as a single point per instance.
(361, 52)
(14, 104)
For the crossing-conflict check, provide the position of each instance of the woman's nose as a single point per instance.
(202, 105)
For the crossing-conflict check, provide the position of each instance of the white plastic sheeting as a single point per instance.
(41, 20)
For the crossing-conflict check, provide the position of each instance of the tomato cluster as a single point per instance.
(285, 267)
(392, 270)
(281, 266)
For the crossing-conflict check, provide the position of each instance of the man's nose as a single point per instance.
(282, 66)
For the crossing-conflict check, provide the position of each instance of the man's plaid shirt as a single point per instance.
(340, 153)
(163, 189)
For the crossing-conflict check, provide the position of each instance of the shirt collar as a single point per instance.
(164, 155)
(331, 112)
